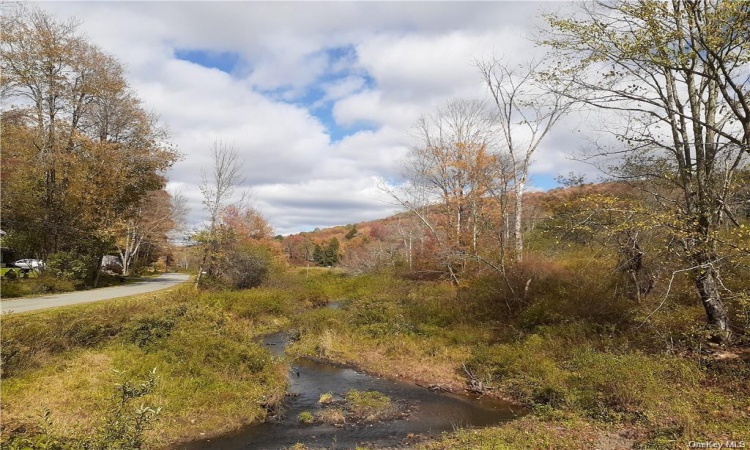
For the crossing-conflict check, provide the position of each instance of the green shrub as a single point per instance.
(248, 268)
(241, 267)
(306, 417)
(44, 283)
(149, 329)
(10, 287)
(11, 275)
(434, 305)
(377, 317)
(123, 427)
(28, 339)
(318, 320)
(69, 266)
(631, 384)
(261, 301)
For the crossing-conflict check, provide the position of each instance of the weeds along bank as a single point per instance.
(152, 370)
(191, 358)
(589, 366)
(594, 369)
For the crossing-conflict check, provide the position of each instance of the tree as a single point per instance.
(675, 73)
(157, 215)
(218, 187)
(247, 247)
(610, 217)
(78, 134)
(351, 233)
(247, 223)
(327, 255)
(448, 177)
(332, 254)
(526, 112)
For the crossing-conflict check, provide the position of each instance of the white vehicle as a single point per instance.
(29, 264)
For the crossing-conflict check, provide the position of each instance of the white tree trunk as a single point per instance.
(518, 225)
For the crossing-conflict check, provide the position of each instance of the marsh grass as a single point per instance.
(306, 417)
(369, 406)
(583, 361)
(331, 416)
(326, 398)
(213, 376)
(571, 351)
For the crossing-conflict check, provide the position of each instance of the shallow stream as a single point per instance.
(429, 412)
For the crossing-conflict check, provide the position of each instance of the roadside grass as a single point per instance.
(212, 377)
(36, 284)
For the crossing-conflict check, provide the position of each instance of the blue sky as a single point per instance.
(224, 61)
(319, 98)
(313, 97)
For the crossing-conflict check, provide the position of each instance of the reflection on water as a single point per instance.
(431, 413)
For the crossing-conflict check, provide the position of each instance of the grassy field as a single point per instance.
(210, 374)
(591, 369)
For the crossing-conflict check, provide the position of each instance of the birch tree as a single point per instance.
(673, 76)
(526, 112)
(159, 214)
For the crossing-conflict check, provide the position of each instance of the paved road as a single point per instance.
(71, 298)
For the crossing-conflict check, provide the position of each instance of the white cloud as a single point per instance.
(378, 64)
(342, 87)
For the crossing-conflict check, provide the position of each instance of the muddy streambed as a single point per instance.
(426, 413)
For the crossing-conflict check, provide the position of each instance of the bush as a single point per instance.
(10, 287)
(147, 330)
(47, 283)
(123, 427)
(248, 268)
(376, 317)
(242, 267)
(632, 384)
(69, 266)
(262, 301)
(435, 305)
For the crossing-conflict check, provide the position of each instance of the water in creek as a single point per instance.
(429, 413)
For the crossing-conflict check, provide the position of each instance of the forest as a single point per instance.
(614, 313)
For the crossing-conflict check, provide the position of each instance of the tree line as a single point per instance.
(83, 159)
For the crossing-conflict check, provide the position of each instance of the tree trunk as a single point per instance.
(518, 229)
(707, 283)
(98, 270)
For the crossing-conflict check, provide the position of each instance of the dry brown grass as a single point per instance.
(76, 390)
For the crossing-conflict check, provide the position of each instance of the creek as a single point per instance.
(429, 413)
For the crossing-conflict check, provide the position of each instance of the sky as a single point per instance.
(318, 98)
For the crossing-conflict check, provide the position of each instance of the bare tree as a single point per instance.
(449, 174)
(526, 112)
(219, 189)
(160, 213)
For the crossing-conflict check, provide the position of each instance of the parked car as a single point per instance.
(29, 264)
